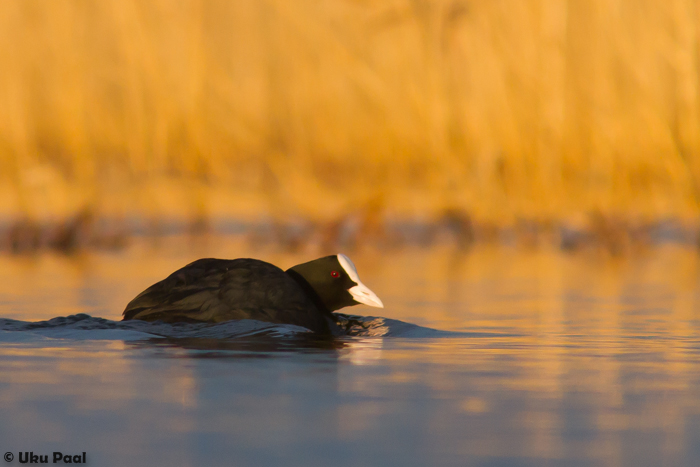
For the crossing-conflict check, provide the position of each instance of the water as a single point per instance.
(550, 359)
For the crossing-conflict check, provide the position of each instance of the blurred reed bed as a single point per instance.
(549, 120)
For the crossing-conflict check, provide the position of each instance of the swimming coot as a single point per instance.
(216, 290)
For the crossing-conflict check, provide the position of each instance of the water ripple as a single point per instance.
(85, 327)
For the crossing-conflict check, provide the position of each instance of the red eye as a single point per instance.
(335, 274)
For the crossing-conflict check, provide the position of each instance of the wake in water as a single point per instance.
(86, 327)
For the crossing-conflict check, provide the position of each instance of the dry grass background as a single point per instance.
(547, 111)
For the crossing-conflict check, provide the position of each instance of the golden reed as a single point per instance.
(500, 112)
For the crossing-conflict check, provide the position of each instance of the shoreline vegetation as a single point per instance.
(453, 229)
(340, 122)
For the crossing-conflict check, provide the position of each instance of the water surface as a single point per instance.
(551, 359)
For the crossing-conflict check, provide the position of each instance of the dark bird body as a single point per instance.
(216, 290)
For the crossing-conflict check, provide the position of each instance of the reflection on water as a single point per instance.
(569, 359)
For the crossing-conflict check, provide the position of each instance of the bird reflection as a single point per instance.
(258, 346)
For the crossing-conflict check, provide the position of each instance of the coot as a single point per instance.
(217, 290)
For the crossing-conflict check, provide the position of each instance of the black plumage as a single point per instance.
(217, 290)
